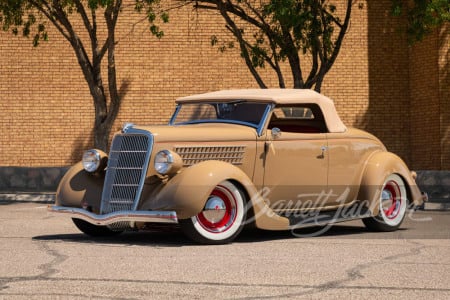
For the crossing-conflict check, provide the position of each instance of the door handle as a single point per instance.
(322, 155)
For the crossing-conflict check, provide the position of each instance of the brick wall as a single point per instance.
(430, 101)
(425, 104)
(388, 113)
(444, 94)
(46, 111)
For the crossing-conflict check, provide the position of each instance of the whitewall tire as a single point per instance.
(222, 218)
(393, 203)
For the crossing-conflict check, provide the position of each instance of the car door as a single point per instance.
(295, 160)
(348, 153)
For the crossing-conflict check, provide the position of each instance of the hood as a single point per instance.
(205, 132)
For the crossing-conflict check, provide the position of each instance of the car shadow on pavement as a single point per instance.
(335, 231)
(173, 237)
(162, 237)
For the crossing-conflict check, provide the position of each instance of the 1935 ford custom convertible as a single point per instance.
(278, 159)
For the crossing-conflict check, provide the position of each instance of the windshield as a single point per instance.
(241, 112)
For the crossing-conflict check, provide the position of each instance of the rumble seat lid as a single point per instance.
(278, 96)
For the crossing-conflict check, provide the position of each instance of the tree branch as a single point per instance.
(111, 16)
(49, 15)
(237, 33)
(293, 57)
(85, 18)
(340, 38)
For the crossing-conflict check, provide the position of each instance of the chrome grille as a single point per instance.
(193, 155)
(127, 168)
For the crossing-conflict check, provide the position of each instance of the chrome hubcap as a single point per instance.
(215, 209)
(219, 212)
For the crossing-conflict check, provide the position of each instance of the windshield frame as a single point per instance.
(259, 127)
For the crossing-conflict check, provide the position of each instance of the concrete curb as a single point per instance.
(437, 206)
(28, 197)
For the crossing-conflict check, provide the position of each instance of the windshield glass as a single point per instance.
(242, 112)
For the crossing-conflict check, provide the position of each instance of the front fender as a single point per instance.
(187, 192)
(378, 167)
(79, 188)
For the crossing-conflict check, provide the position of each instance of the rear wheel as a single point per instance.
(93, 230)
(222, 217)
(392, 206)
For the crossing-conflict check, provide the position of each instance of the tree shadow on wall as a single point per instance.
(85, 141)
(387, 116)
(444, 78)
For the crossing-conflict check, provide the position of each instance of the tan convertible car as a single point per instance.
(277, 159)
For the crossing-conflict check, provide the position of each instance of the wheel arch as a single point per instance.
(247, 205)
(187, 192)
(378, 167)
(78, 188)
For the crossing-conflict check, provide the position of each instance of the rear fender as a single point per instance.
(378, 167)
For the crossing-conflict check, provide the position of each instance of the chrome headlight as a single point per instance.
(167, 162)
(94, 160)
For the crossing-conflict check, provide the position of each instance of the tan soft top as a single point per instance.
(278, 96)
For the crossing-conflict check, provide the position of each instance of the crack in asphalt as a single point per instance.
(50, 268)
(58, 295)
(231, 285)
(352, 275)
(47, 269)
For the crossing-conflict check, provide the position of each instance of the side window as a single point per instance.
(303, 113)
(306, 118)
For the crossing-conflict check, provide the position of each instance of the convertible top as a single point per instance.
(277, 96)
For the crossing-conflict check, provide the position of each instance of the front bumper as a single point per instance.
(114, 217)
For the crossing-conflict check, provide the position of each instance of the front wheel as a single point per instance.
(392, 206)
(222, 217)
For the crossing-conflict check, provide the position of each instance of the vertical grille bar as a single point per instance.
(127, 168)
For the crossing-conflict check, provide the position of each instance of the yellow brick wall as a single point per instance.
(46, 111)
(444, 94)
(425, 104)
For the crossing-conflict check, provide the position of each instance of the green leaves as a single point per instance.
(156, 31)
(222, 46)
(277, 31)
(29, 17)
(423, 16)
(18, 17)
(154, 13)
(286, 27)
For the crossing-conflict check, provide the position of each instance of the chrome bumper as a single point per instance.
(119, 216)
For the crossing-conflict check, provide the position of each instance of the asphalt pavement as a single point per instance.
(45, 257)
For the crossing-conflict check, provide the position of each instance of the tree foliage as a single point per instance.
(422, 16)
(275, 31)
(31, 18)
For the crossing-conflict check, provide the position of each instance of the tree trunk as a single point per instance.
(101, 135)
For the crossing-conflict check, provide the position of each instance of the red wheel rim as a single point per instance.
(229, 215)
(391, 199)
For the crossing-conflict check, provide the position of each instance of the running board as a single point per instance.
(320, 218)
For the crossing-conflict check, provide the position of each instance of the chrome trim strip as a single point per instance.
(114, 217)
(146, 163)
(263, 122)
(175, 114)
(219, 121)
(329, 222)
